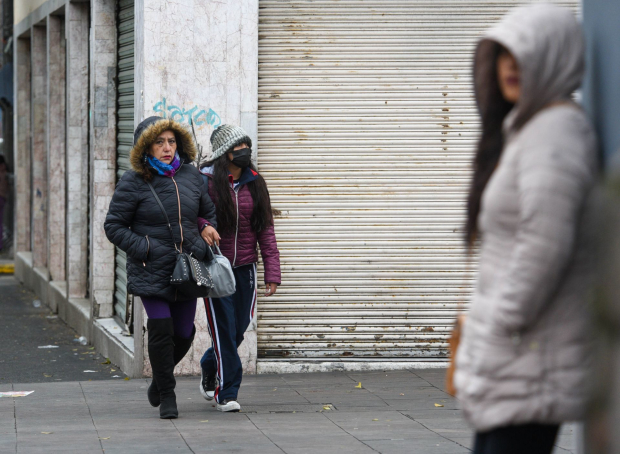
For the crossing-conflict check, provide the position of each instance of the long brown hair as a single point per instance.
(262, 212)
(493, 109)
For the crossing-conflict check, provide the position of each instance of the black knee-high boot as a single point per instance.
(161, 354)
(181, 347)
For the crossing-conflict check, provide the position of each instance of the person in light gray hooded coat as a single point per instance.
(523, 360)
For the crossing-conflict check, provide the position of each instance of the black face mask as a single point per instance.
(242, 158)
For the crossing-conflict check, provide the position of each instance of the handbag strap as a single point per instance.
(163, 210)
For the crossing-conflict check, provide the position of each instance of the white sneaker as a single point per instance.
(207, 386)
(229, 405)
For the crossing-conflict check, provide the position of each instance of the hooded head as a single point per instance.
(146, 133)
(548, 45)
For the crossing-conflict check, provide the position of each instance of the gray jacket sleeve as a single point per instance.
(120, 217)
(555, 173)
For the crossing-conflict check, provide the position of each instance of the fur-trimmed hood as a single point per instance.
(145, 135)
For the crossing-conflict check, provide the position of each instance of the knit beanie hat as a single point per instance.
(225, 137)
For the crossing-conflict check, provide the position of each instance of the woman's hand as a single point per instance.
(270, 288)
(210, 235)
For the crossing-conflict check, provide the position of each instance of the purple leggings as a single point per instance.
(182, 314)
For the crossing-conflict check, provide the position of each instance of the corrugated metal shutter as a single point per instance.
(124, 131)
(367, 125)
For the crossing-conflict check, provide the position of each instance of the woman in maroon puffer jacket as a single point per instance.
(245, 220)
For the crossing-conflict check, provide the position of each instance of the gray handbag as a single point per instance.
(221, 271)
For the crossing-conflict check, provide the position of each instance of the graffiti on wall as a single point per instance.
(196, 116)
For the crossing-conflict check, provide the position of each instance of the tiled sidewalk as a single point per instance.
(393, 412)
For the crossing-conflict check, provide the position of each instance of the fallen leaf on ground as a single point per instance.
(206, 420)
(112, 370)
(107, 361)
(89, 371)
(375, 419)
(127, 378)
(359, 385)
(438, 405)
(47, 433)
(326, 407)
(47, 375)
(104, 438)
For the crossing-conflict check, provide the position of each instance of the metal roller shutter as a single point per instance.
(124, 131)
(367, 125)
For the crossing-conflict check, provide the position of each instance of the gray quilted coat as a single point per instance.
(524, 354)
(136, 224)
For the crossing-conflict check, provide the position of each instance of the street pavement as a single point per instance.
(73, 411)
(392, 412)
(37, 346)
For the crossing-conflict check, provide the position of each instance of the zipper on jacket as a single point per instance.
(176, 290)
(179, 205)
(236, 228)
(148, 248)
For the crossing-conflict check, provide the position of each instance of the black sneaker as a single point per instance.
(208, 383)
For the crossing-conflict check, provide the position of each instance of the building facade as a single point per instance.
(365, 124)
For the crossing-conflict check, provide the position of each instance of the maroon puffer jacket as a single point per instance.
(240, 247)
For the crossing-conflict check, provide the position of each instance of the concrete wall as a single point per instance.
(22, 8)
(103, 152)
(21, 152)
(198, 62)
(45, 166)
(39, 158)
(56, 144)
(77, 163)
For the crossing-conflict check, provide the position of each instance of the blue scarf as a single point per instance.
(167, 170)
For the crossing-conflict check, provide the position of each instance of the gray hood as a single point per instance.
(548, 44)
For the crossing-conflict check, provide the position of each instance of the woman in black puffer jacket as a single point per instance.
(161, 156)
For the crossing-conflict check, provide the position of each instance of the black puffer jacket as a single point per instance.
(136, 224)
